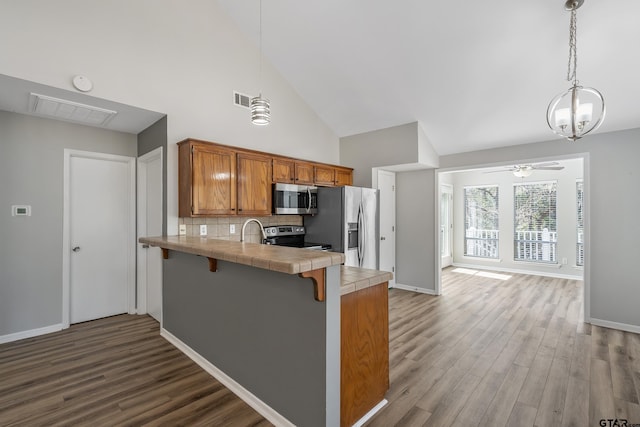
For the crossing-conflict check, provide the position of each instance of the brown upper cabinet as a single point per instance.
(206, 180)
(284, 170)
(220, 180)
(304, 173)
(324, 175)
(343, 176)
(254, 184)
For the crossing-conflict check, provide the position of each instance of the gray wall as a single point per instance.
(31, 173)
(262, 328)
(148, 140)
(393, 146)
(612, 177)
(416, 239)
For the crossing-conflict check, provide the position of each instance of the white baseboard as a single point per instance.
(615, 325)
(370, 414)
(518, 271)
(414, 289)
(244, 394)
(30, 333)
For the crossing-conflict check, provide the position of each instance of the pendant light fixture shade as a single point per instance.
(260, 113)
(579, 110)
(260, 107)
(576, 112)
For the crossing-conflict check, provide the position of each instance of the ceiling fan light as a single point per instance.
(523, 172)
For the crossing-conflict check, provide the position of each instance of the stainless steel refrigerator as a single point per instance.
(348, 220)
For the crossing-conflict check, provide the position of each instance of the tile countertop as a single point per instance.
(276, 258)
(353, 279)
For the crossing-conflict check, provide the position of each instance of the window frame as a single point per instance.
(538, 244)
(494, 252)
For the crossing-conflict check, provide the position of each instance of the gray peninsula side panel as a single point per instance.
(262, 328)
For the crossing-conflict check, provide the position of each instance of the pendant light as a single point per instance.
(579, 110)
(260, 107)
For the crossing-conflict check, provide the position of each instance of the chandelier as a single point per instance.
(260, 107)
(579, 110)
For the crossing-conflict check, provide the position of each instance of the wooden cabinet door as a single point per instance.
(283, 171)
(254, 184)
(304, 173)
(343, 177)
(213, 180)
(324, 175)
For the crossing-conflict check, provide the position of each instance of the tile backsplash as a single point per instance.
(219, 227)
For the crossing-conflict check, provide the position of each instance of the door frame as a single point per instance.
(66, 228)
(447, 189)
(375, 181)
(141, 291)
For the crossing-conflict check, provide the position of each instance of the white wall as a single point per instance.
(179, 58)
(566, 218)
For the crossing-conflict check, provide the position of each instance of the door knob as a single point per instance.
(383, 238)
(76, 249)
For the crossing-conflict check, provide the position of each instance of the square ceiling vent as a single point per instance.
(63, 109)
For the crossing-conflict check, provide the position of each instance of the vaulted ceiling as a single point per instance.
(474, 74)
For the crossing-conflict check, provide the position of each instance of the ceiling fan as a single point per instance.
(525, 170)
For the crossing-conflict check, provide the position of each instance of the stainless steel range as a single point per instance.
(291, 235)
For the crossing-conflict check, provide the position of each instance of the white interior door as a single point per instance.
(446, 224)
(100, 210)
(150, 224)
(387, 187)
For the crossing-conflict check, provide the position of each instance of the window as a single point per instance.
(481, 221)
(535, 237)
(579, 223)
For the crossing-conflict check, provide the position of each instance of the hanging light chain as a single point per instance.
(573, 53)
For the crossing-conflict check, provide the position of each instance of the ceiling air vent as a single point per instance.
(63, 109)
(241, 100)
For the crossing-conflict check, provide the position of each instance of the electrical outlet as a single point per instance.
(203, 230)
(182, 230)
(564, 261)
(232, 228)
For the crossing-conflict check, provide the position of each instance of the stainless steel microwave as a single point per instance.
(292, 199)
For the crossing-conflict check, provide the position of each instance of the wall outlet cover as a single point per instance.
(182, 229)
(203, 230)
(232, 228)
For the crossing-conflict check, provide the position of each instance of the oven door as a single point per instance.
(294, 199)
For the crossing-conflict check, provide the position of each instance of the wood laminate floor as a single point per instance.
(500, 349)
(493, 350)
(110, 372)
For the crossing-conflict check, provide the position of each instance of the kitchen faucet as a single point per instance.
(244, 226)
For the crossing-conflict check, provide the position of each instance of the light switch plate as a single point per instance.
(232, 228)
(203, 230)
(182, 230)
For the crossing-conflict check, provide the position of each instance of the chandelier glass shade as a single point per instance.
(579, 110)
(576, 112)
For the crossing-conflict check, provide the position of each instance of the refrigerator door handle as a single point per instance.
(364, 236)
(360, 236)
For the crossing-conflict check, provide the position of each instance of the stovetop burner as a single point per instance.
(292, 236)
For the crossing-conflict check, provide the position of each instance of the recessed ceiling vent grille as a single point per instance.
(241, 100)
(63, 109)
